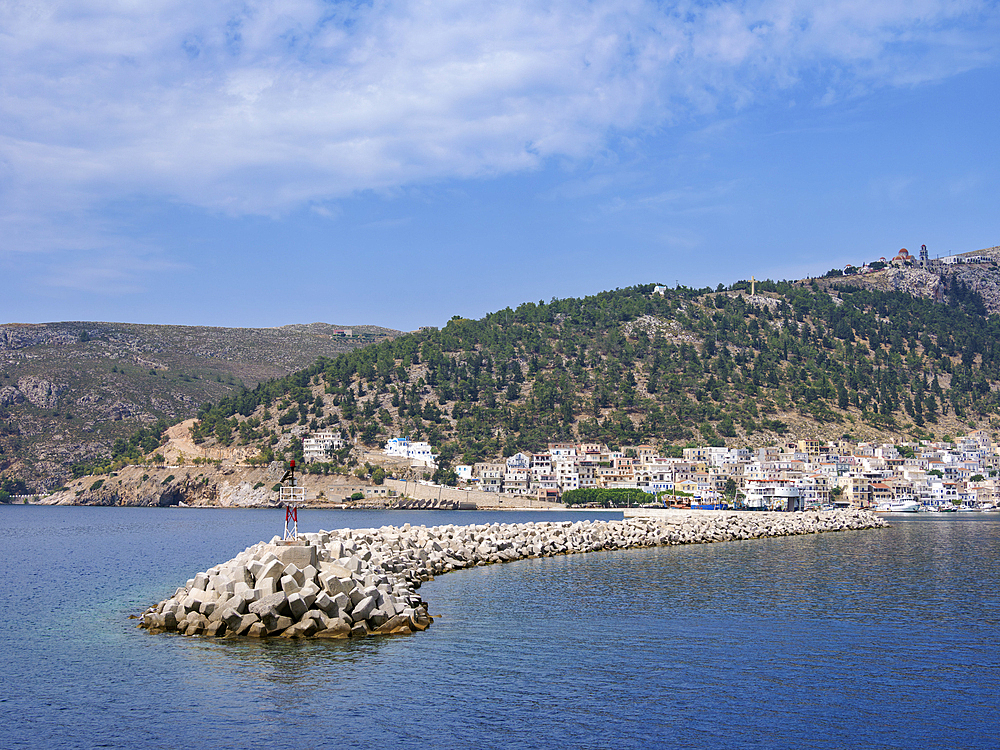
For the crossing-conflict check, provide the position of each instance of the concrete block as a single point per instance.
(309, 574)
(325, 603)
(335, 585)
(301, 629)
(274, 570)
(329, 568)
(243, 625)
(295, 572)
(316, 615)
(233, 620)
(326, 622)
(276, 603)
(200, 582)
(297, 605)
(359, 630)
(393, 623)
(333, 634)
(284, 623)
(343, 602)
(338, 630)
(224, 587)
(241, 589)
(363, 609)
(298, 554)
(278, 624)
(257, 630)
(267, 587)
(289, 585)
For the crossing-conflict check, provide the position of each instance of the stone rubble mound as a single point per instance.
(361, 582)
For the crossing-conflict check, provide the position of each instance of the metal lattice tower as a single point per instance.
(291, 497)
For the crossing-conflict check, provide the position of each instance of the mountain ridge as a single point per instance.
(69, 390)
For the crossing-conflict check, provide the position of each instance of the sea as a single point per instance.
(873, 639)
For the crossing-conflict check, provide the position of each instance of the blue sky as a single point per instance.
(396, 163)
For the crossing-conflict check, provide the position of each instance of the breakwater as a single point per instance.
(360, 582)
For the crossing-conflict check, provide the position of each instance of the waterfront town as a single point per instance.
(797, 475)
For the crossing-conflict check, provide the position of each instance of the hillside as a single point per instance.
(645, 364)
(68, 391)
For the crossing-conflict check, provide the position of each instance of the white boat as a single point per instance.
(900, 506)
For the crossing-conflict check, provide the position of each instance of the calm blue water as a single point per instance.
(862, 639)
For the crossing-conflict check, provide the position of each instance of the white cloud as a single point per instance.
(259, 107)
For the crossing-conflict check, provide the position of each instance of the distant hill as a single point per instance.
(69, 390)
(670, 367)
(839, 357)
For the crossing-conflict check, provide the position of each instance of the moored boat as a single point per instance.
(899, 506)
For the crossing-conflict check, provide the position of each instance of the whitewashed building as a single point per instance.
(320, 446)
(417, 451)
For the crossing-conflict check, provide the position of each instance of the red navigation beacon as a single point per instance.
(291, 497)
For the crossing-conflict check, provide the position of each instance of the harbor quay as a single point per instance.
(351, 583)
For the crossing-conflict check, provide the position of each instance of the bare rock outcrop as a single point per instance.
(244, 495)
(10, 396)
(42, 393)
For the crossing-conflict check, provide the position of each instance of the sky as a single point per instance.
(398, 163)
